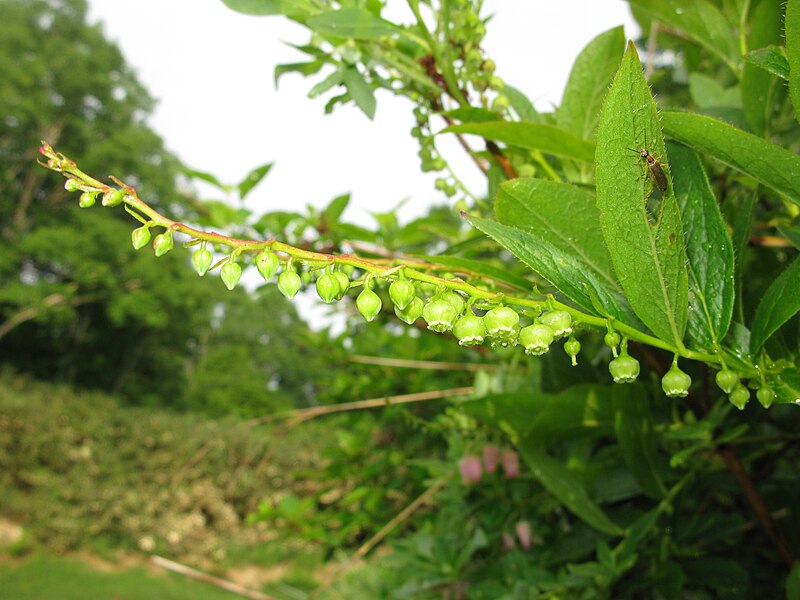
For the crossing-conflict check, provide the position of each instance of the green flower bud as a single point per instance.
(343, 281)
(624, 369)
(163, 243)
(402, 292)
(439, 314)
(87, 199)
(267, 264)
(112, 197)
(470, 330)
(502, 325)
(739, 396)
(536, 338)
(289, 283)
(201, 260)
(455, 299)
(368, 304)
(572, 347)
(612, 340)
(140, 237)
(727, 380)
(675, 382)
(72, 185)
(560, 321)
(412, 312)
(231, 272)
(765, 396)
(328, 287)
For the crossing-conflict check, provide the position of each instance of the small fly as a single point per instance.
(653, 167)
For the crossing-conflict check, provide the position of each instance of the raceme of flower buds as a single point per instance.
(470, 469)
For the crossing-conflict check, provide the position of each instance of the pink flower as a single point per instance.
(470, 468)
(510, 460)
(524, 534)
(508, 542)
(490, 456)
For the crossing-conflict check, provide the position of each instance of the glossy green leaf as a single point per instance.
(700, 21)
(633, 425)
(351, 23)
(304, 68)
(290, 8)
(532, 136)
(334, 79)
(742, 226)
(252, 179)
(780, 303)
(791, 233)
(772, 59)
(771, 165)
(792, 36)
(336, 207)
(472, 114)
(588, 82)
(360, 91)
(765, 28)
(787, 387)
(571, 277)
(708, 248)
(522, 105)
(564, 215)
(648, 256)
(479, 268)
(566, 487)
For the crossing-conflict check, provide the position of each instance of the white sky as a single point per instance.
(218, 110)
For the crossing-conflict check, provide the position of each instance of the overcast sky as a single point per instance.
(211, 71)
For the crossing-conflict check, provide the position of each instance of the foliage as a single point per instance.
(679, 253)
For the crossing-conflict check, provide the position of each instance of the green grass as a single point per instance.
(52, 578)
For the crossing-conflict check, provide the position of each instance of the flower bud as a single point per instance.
(439, 314)
(455, 300)
(536, 338)
(765, 396)
(491, 455)
(402, 292)
(328, 287)
(412, 312)
(289, 283)
(140, 237)
(343, 282)
(267, 264)
(502, 325)
(510, 461)
(87, 199)
(572, 347)
(470, 330)
(230, 273)
(612, 340)
(675, 382)
(470, 469)
(560, 321)
(726, 380)
(368, 304)
(72, 185)
(112, 197)
(739, 396)
(201, 260)
(524, 534)
(163, 243)
(624, 369)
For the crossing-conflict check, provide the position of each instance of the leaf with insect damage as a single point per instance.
(645, 242)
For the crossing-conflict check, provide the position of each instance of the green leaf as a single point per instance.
(708, 247)
(780, 303)
(208, 178)
(772, 59)
(360, 91)
(708, 93)
(564, 215)
(335, 78)
(765, 21)
(571, 277)
(479, 268)
(304, 68)
(787, 387)
(793, 583)
(792, 34)
(472, 114)
(701, 21)
(791, 233)
(771, 165)
(566, 487)
(742, 225)
(649, 257)
(336, 207)
(351, 23)
(252, 179)
(588, 82)
(521, 105)
(633, 426)
(532, 136)
(290, 8)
